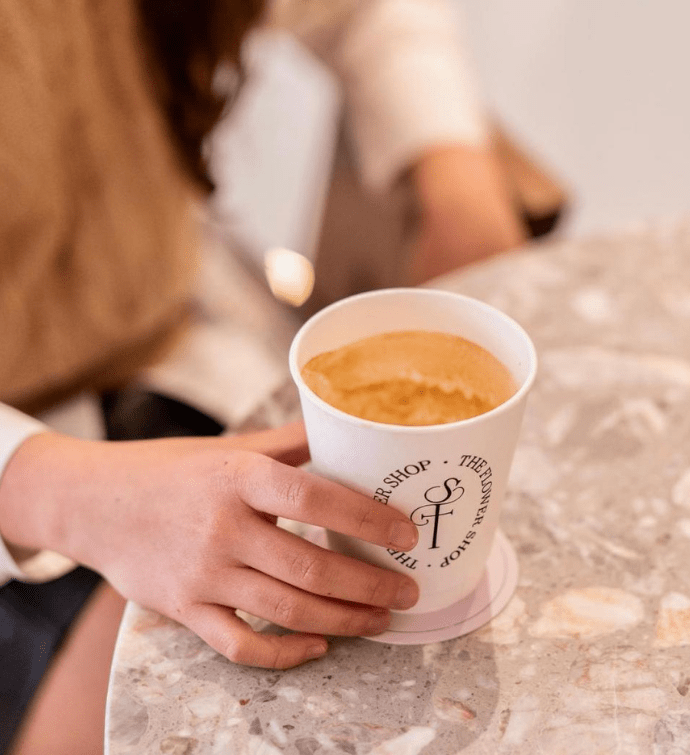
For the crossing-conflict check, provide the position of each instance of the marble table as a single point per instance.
(592, 654)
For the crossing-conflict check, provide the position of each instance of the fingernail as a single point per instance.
(317, 649)
(403, 535)
(407, 596)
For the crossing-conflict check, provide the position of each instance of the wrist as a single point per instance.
(464, 189)
(444, 172)
(34, 500)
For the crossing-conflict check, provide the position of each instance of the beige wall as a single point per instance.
(602, 88)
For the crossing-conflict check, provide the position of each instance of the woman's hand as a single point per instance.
(467, 213)
(187, 527)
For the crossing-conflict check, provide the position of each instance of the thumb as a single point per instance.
(287, 444)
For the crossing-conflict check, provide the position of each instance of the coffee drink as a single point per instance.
(411, 377)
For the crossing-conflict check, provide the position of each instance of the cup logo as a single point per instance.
(463, 498)
(438, 496)
(451, 486)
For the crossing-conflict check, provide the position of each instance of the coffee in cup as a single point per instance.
(414, 377)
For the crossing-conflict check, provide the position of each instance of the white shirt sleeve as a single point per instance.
(15, 428)
(407, 82)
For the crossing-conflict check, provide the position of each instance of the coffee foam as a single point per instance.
(410, 378)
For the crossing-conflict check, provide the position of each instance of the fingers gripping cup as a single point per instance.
(415, 397)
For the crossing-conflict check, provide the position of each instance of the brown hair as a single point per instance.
(189, 41)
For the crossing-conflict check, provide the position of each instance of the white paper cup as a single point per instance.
(450, 478)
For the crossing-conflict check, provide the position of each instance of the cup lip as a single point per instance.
(506, 406)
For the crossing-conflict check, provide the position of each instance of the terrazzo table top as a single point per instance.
(592, 654)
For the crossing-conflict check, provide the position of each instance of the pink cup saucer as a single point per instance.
(487, 600)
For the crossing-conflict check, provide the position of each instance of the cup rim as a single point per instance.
(516, 398)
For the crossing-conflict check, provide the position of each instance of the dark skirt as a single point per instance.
(35, 618)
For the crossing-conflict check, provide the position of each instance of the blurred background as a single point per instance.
(598, 91)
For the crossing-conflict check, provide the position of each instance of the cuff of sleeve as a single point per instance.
(15, 428)
(42, 567)
(409, 90)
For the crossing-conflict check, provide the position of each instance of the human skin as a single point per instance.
(466, 211)
(187, 527)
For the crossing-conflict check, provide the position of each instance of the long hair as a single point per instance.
(189, 40)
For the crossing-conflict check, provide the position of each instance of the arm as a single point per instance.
(188, 527)
(414, 112)
(466, 207)
(407, 85)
